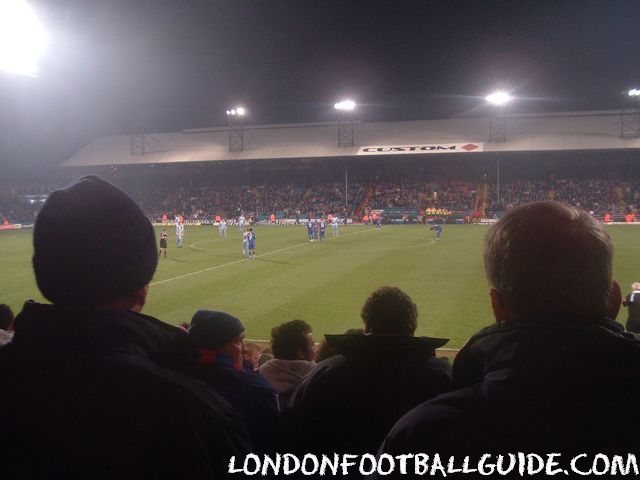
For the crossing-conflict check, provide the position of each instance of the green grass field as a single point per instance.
(324, 284)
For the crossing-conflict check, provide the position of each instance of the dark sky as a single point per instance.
(117, 66)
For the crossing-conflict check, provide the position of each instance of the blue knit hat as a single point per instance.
(213, 330)
(92, 244)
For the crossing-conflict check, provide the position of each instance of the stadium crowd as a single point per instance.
(284, 200)
(297, 200)
(591, 194)
(12, 210)
(96, 389)
(453, 195)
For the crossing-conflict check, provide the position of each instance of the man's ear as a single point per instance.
(139, 298)
(501, 311)
(133, 301)
(614, 300)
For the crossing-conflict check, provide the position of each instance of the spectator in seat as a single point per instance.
(88, 380)
(219, 339)
(555, 372)
(351, 400)
(251, 354)
(293, 350)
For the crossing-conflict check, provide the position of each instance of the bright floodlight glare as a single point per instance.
(634, 92)
(23, 39)
(345, 105)
(240, 111)
(498, 98)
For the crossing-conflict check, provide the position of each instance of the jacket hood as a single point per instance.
(285, 375)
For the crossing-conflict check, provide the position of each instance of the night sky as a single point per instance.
(113, 67)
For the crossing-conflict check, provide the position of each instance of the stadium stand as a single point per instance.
(598, 196)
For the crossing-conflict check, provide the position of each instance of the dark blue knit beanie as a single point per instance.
(92, 244)
(213, 330)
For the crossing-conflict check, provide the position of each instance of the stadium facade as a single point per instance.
(486, 136)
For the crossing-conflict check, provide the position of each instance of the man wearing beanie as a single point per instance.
(89, 387)
(219, 338)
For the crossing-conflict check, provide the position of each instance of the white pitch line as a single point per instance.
(216, 267)
(193, 245)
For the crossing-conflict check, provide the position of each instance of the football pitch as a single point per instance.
(325, 283)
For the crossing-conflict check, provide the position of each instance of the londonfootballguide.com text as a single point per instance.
(425, 465)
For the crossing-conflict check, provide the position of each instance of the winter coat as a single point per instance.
(248, 393)
(537, 387)
(348, 402)
(90, 393)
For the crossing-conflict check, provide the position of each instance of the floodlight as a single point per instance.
(499, 98)
(634, 92)
(23, 39)
(345, 105)
(237, 111)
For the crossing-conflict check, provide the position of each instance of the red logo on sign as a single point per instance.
(469, 146)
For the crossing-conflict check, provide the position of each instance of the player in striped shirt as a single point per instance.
(179, 233)
(222, 228)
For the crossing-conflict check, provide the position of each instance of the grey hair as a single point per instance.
(635, 286)
(548, 259)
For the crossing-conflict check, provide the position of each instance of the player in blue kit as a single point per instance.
(322, 229)
(251, 237)
(438, 229)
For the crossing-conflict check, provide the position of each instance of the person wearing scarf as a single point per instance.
(219, 338)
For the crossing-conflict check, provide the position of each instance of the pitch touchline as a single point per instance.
(243, 260)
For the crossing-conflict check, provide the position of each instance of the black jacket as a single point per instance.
(349, 402)
(632, 302)
(534, 387)
(87, 393)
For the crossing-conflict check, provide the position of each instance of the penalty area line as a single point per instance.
(243, 260)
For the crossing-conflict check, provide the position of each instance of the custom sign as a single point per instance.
(421, 148)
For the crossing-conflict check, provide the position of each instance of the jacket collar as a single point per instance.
(100, 331)
(548, 351)
(402, 345)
